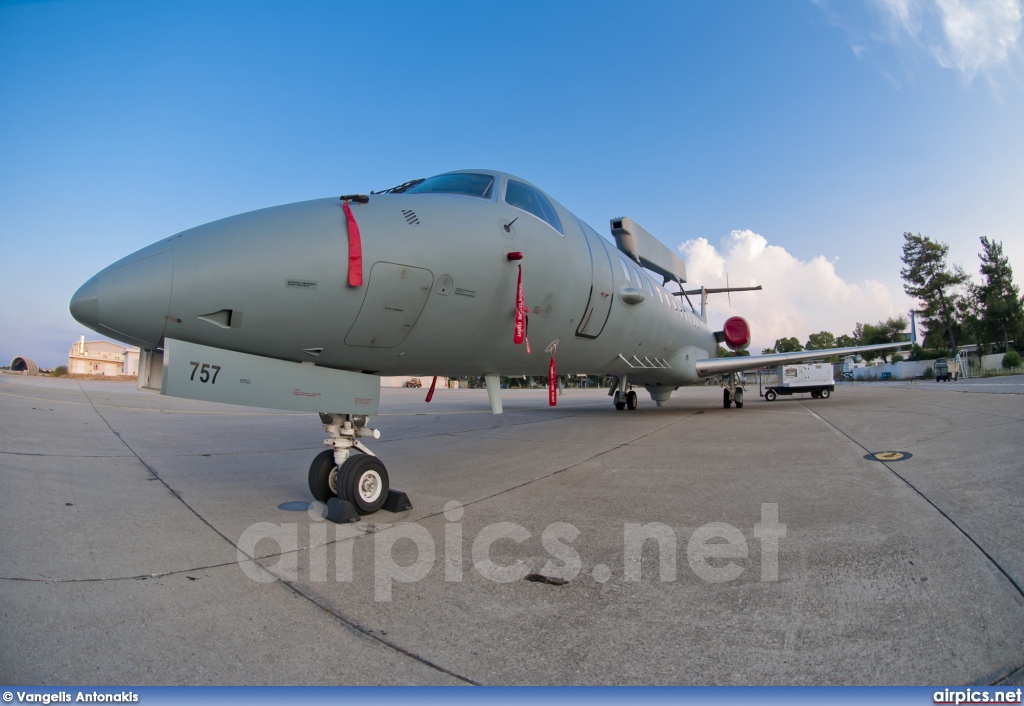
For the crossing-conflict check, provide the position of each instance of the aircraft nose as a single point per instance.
(85, 304)
(128, 301)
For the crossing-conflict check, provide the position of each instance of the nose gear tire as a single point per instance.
(322, 472)
(363, 481)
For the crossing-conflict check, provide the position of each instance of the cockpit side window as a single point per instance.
(532, 201)
(625, 269)
(479, 185)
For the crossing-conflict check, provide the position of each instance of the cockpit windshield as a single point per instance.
(527, 198)
(479, 185)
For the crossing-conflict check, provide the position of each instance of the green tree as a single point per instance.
(865, 335)
(971, 317)
(820, 341)
(889, 331)
(998, 298)
(787, 345)
(823, 340)
(723, 352)
(892, 330)
(936, 285)
(845, 341)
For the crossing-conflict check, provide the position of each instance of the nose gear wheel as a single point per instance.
(363, 481)
(323, 475)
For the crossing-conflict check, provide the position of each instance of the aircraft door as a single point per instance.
(599, 306)
(394, 301)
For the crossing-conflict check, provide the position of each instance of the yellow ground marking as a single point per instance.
(889, 455)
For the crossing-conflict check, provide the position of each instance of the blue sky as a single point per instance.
(788, 143)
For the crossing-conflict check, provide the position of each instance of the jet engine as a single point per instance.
(736, 333)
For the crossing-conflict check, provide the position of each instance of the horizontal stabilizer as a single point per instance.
(644, 248)
(733, 364)
(198, 372)
(719, 290)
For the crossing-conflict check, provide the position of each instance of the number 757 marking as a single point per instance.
(204, 372)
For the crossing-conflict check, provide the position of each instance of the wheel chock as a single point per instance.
(341, 511)
(397, 501)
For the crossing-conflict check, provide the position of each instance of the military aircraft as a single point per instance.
(303, 307)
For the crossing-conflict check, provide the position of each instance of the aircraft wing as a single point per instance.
(733, 364)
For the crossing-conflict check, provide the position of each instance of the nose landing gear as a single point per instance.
(362, 479)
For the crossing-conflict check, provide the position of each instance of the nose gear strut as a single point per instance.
(345, 430)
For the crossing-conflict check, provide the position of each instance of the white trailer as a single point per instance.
(815, 378)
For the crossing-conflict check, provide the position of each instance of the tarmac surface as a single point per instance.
(143, 542)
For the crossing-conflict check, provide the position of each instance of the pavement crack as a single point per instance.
(569, 467)
(230, 453)
(983, 427)
(373, 635)
(367, 632)
(137, 577)
(1011, 677)
(340, 617)
(977, 411)
(29, 453)
(992, 560)
(414, 437)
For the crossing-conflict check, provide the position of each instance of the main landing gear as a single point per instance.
(732, 393)
(624, 396)
(360, 479)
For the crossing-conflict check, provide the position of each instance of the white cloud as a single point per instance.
(799, 298)
(970, 36)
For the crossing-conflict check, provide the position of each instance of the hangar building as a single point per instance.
(21, 364)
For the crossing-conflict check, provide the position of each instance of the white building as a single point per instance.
(102, 358)
(130, 366)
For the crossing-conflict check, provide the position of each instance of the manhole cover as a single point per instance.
(294, 506)
(888, 456)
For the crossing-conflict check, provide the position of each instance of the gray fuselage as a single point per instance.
(438, 294)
